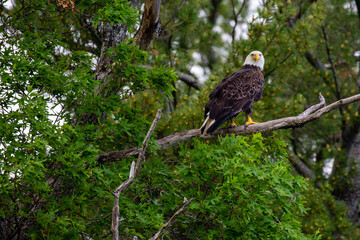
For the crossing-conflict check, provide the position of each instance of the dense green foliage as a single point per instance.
(243, 188)
(57, 115)
(246, 189)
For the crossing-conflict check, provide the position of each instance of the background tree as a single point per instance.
(82, 78)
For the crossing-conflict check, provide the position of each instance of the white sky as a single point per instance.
(241, 32)
(8, 4)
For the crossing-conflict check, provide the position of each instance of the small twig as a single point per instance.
(333, 69)
(236, 16)
(172, 18)
(171, 220)
(314, 107)
(134, 171)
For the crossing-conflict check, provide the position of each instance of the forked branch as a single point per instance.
(311, 114)
(171, 220)
(134, 172)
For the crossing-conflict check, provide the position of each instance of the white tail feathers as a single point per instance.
(207, 119)
(207, 123)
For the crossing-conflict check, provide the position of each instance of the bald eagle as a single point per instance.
(235, 93)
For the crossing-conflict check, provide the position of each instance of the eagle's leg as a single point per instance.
(233, 124)
(249, 121)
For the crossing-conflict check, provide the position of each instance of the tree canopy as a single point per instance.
(81, 83)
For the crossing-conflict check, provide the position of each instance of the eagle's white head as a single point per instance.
(255, 58)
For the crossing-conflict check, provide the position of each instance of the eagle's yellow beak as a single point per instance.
(255, 57)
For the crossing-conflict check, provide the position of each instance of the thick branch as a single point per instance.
(134, 171)
(189, 80)
(172, 219)
(311, 114)
(314, 61)
(301, 167)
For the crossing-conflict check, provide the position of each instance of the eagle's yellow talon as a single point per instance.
(233, 124)
(249, 121)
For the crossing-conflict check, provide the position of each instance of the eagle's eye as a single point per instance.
(260, 55)
(252, 54)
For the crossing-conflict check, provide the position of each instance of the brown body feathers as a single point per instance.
(234, 94)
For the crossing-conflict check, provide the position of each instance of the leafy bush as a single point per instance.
(243, 189)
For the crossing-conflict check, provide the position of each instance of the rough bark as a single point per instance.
(311, 114)
(358, 8)
(149, 24)
(352, 196)
(111, 35)
(347, 188)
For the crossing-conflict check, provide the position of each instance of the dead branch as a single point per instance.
(134, 171)
(189, 80)
(314, 61)
(311, 114)
(171, 220)
(301, 167)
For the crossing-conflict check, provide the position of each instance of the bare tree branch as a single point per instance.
(336, 82)
(172, 18)
(236, 18)
(171, 220)
(301, 167)
(314, 61)
(134, 171)
(313, 108)
(311, 114)
(333, 69)
(189, 80)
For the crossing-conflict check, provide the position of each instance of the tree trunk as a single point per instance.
(112, 35)
(349, 188)
(358, 8)
(149, 24)
(347, 170)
